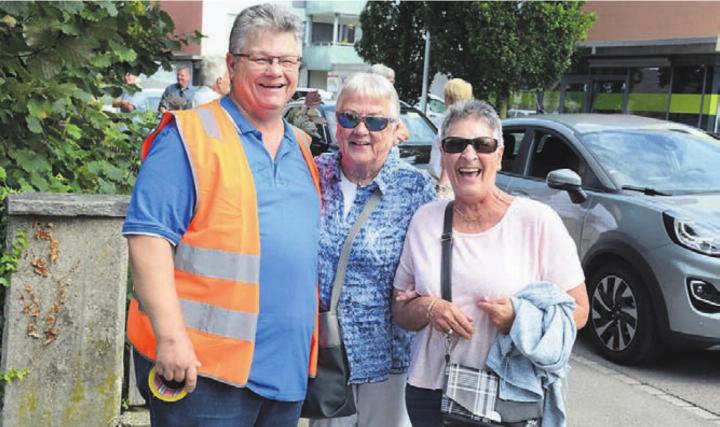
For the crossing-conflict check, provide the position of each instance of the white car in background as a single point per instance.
(435, 109)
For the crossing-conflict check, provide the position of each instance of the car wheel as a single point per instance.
(621, 321)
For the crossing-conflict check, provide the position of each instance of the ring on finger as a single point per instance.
(450, 331)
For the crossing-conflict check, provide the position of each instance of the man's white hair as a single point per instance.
(211, 69)
(263, 17)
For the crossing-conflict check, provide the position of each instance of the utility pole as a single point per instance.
(426, 71)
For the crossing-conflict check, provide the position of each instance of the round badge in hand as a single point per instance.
(165, 390)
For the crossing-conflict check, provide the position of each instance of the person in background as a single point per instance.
(308, 116)
(502, 245)
(214, 79)
(455, 90)
(403, 133)
(127, 103)
(223, 230)
(367, 112)
(178, 96)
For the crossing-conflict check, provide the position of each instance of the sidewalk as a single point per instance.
(600, 396)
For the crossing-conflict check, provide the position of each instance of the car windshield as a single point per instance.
(421, 133)
(666, 161)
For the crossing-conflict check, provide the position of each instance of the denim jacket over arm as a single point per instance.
(533, 358)
(375, 346)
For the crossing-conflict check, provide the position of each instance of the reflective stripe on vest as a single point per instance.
(217, 264)
(219, 321)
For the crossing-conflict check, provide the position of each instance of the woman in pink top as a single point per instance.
(501, 244)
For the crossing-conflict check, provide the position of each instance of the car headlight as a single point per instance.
(701, 238)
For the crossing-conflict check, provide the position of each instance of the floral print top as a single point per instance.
(375, 346)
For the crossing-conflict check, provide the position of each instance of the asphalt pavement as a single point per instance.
(681, 390)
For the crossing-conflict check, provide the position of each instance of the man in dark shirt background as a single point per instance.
(178, 96)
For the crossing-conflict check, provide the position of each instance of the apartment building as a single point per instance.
(652, 58)
(331, 29)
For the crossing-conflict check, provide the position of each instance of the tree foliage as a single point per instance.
(499, 47)
(59, 64)
(478, 42)
(550, 32)
(392, 34)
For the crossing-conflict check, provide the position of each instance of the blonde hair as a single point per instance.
(457, 90)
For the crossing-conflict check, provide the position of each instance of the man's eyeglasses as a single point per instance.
(483, 144)
(259, 62)
(350, 120)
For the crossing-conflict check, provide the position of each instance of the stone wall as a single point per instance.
(65, 311)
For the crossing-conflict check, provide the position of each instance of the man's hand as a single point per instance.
(126, 107)
(447, 318)
(176, 360)
(501, 312)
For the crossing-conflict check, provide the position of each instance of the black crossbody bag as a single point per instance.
(328, 394)
(470, 396)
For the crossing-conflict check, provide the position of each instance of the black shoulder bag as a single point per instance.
(470, 396)
(328, 394)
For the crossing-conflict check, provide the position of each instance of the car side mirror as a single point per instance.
(567, 180)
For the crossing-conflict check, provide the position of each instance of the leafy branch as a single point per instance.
(13, 374)
(9, 260)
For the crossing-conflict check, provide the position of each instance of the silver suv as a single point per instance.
(641, 199)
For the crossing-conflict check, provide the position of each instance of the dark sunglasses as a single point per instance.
(483, 144)
(350, 120)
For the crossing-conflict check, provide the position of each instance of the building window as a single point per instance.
(649, 91)
(607, 96)
(347, 34)
(322, 33)
(688, 79)
(688, 105)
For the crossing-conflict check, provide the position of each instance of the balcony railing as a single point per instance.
(334, 7)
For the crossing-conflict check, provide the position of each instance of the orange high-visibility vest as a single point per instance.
(217, 261)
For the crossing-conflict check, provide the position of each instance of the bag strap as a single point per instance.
(446, 264)
(347, 245)
(446, 241)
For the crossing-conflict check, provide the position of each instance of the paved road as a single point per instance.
(682, 390)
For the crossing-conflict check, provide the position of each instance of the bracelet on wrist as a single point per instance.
(430, 307)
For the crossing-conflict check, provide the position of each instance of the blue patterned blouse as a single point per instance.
(375, 346)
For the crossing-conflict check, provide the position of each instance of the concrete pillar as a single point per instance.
(308, 31)
(336, 23)
(65, 311)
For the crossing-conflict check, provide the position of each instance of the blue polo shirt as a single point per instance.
(289, 215)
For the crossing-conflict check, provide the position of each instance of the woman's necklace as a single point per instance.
(466, 217)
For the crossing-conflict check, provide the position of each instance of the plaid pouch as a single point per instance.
(470, 394)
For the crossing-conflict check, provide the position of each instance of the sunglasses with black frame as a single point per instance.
(482, 144)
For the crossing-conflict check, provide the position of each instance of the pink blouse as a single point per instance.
(529, 244)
